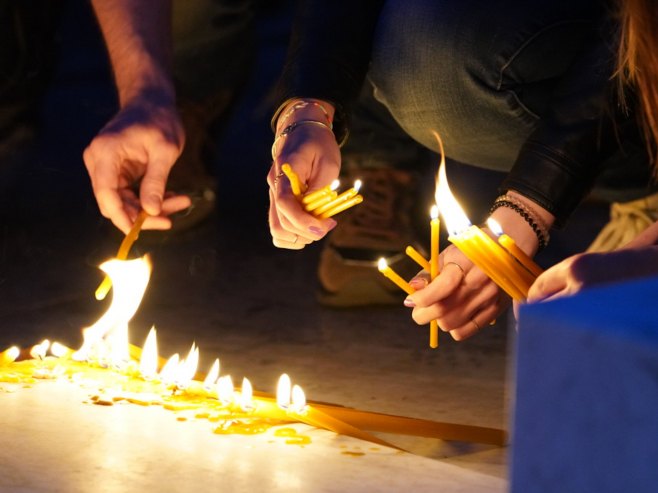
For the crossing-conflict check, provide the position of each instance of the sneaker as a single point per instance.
(627, 220)
(379, 227)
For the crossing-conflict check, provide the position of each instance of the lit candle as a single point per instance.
(415, 255)
(9, 355)
(341, 207)
(394, 276)
(295, 185)
(122, 254)
(341, 199)
(434, 267)
(324, 191)
(510, 245)
(320, 201)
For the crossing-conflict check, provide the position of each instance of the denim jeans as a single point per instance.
(481, 73)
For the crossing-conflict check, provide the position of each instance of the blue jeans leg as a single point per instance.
(480, 73)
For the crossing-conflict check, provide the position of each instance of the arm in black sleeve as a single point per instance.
(329, 54)
(558, 164)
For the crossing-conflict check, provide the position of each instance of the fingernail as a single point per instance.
(316, 231)
(409, 303)
(418, 283)
(333, 224)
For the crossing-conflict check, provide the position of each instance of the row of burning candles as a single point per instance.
(179, 375)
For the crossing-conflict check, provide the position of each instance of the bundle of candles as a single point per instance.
(325, 202)
(501, 259)
(123, 372)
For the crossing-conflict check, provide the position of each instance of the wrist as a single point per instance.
(299, 109)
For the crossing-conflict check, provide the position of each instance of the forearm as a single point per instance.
(138, 38)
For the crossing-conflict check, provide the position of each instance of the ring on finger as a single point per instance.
(460, 268)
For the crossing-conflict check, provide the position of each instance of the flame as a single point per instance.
(187, 368)
(59, 350)
(334, 185)
(129, 281)
(9, 355)
(283, 391)
(298, 399)
(212, 375)
(148, 362)
(434, 212)
(225, 389)
(39, 351)
(494, 227)
(357, 185)
(246, 395)
(454, 216)
(169, 370)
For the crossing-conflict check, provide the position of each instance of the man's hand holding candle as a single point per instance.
(306, 142)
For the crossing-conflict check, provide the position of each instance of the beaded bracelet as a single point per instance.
(291, 128)
(303, 104)
(527, 215)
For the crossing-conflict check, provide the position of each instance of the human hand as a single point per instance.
(585, 270)
(461, 298)
(142, 141)
(313, 154)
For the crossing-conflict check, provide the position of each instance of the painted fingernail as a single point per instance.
(418, 283)
(409, 303)
(316, 231)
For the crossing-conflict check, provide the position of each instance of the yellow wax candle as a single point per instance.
(340, 208)
(295, 185)
(9, 355)
(503, 264)
(394, 276)
(342, 198)
(320, 201)
(468, 244)
(434, 267)
(313, 196)
(510, 245)
(122, 254)
(415, 255)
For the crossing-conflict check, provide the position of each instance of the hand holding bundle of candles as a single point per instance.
(325, 202)
(502, 260)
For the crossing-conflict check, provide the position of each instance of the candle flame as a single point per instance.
(494, 227)
(434, 212)
(246, 395)
(39, 351)
(169, 370)
(298, 399)
(9, 355)
(454, 216)
(148, 362)
(129, 281)
(283, 391)
(357, 185)
(382, 264)
(225, 389)
(187, 368)
(334, 185)
(59, 350)
(212, 375)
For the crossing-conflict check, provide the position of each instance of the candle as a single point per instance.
(9, 355)
(320, 201)
(415, 255)
(341, 207)
(434, 267)
(510, 245)
(122, 254)
(341, 199)
(295, 185)
(394, 276)
(313, 196)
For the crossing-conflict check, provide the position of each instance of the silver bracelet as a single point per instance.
(291, 128)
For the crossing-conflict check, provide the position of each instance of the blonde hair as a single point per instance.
(638, 64)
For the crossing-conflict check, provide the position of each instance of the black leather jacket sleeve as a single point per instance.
(560, 161)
